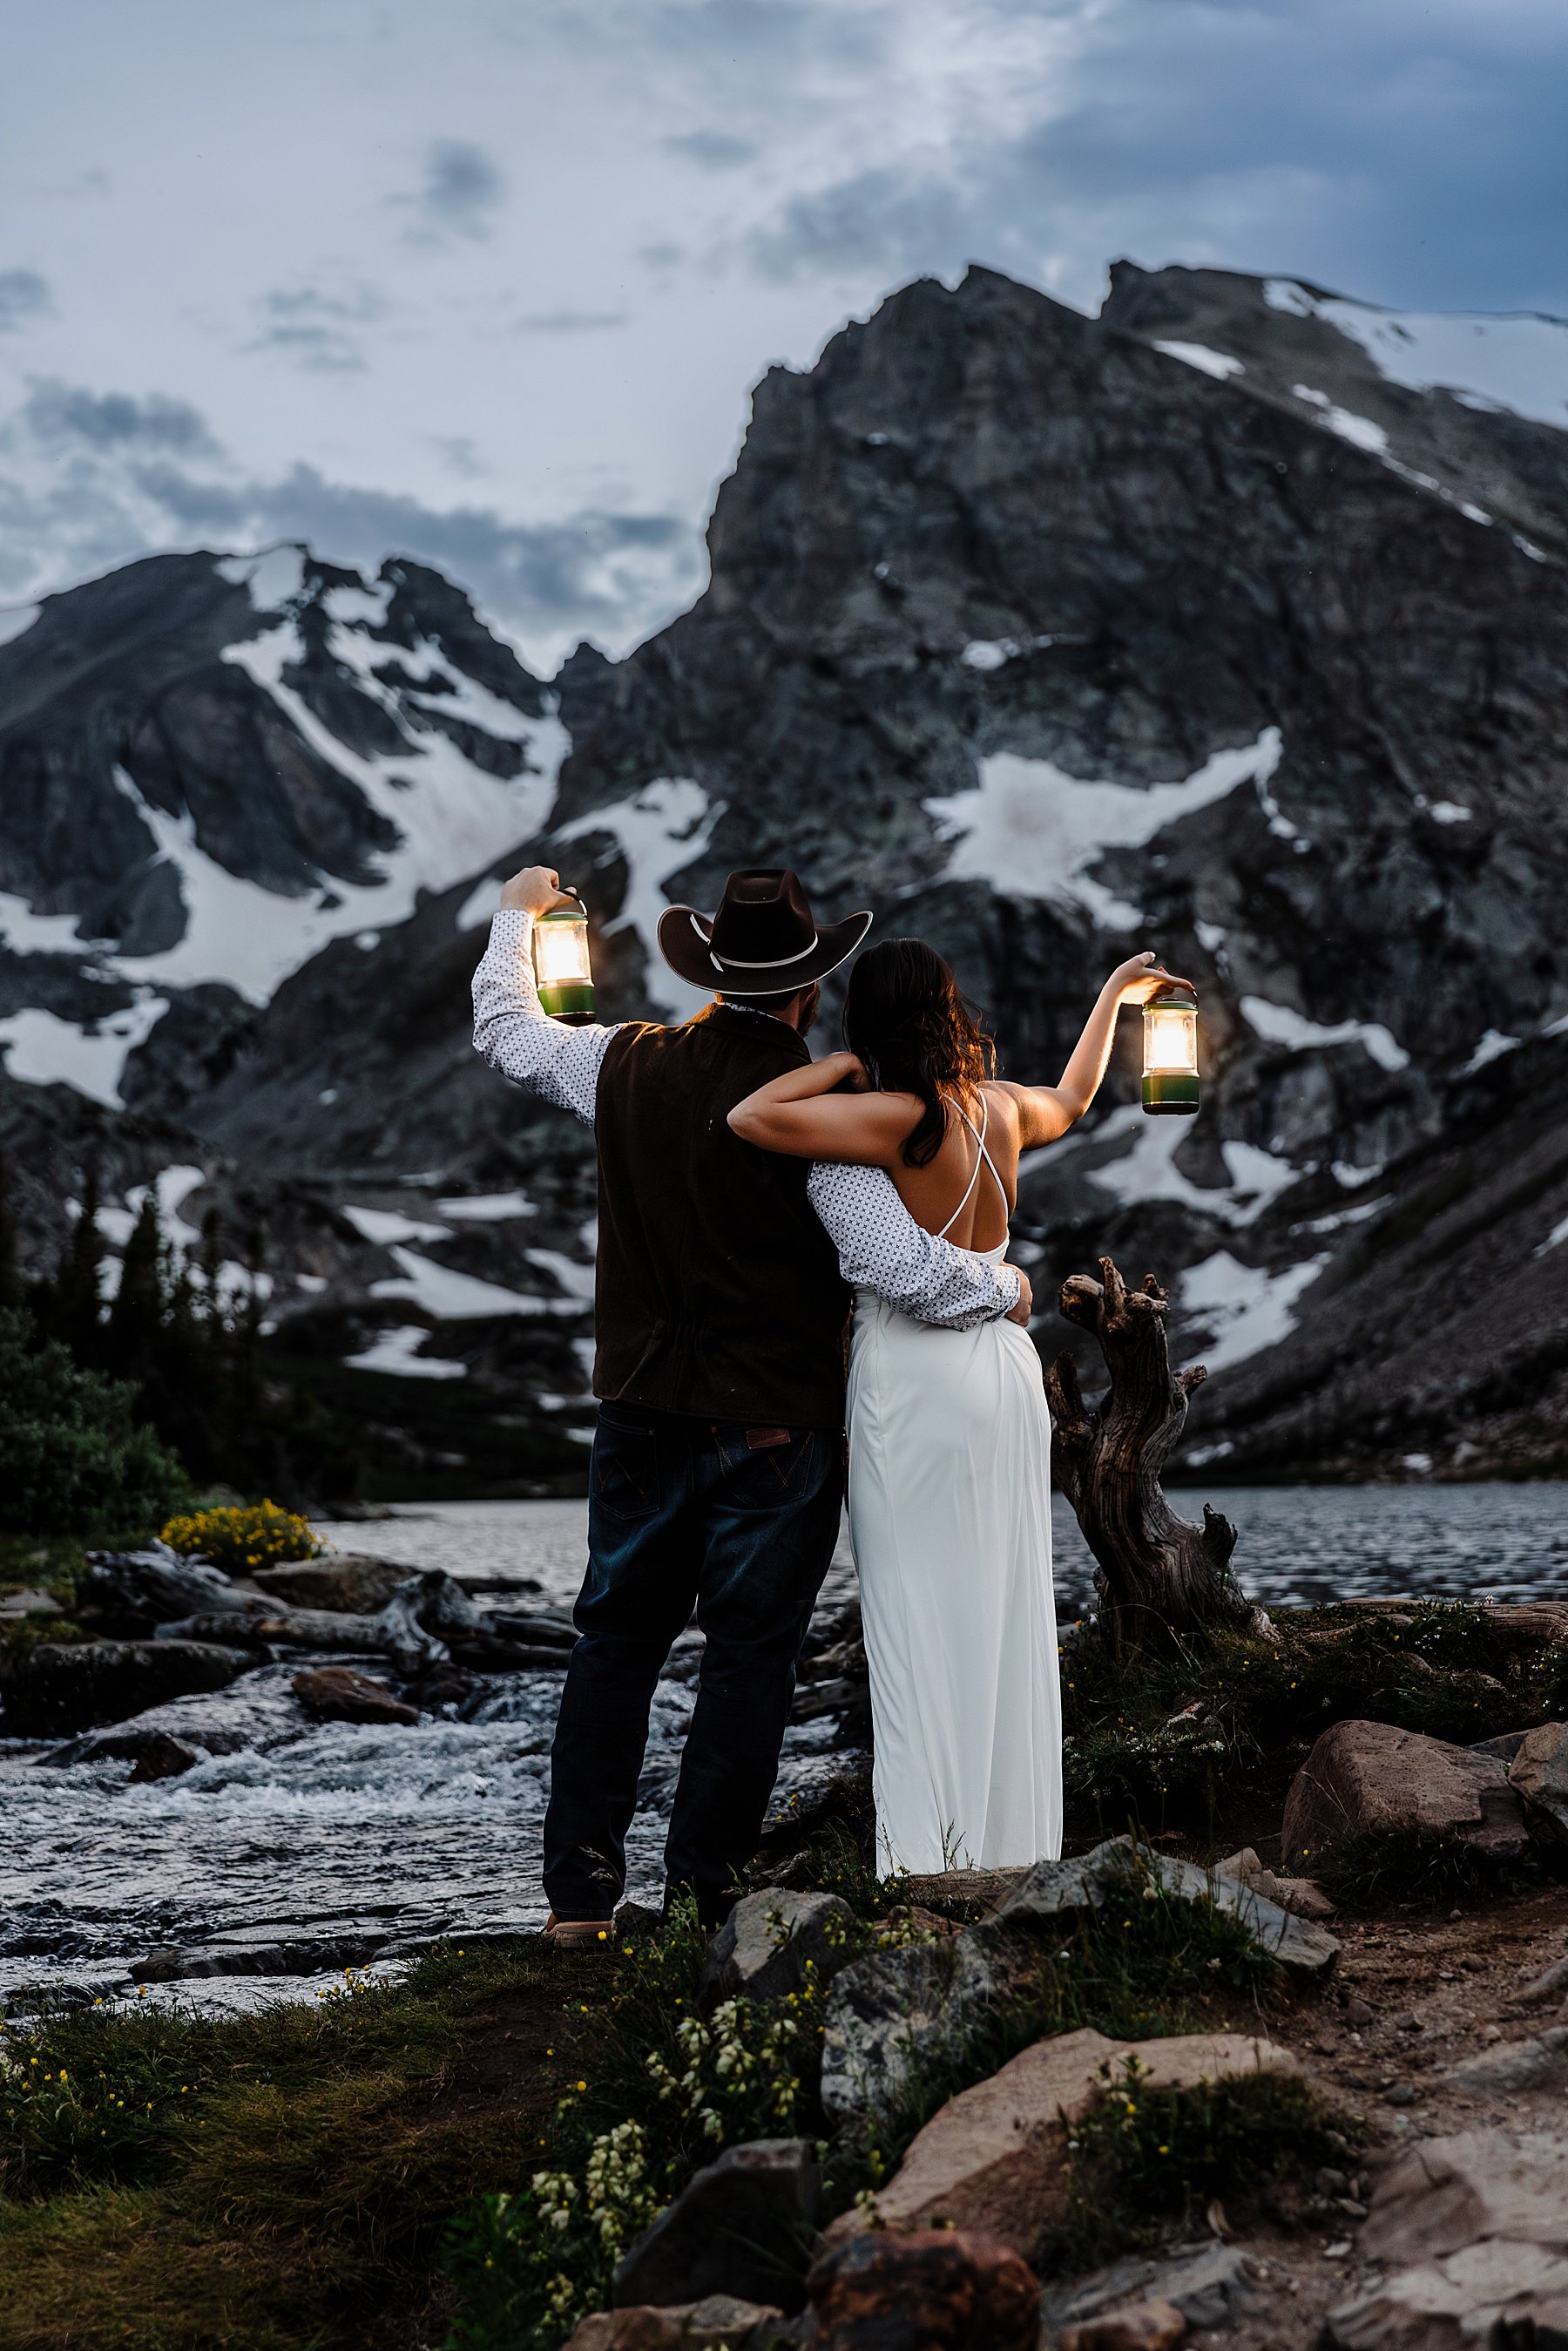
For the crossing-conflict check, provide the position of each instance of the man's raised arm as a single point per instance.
(511, 1027)
(881, 1247)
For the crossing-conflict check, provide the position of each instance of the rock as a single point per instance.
(14, 1606)
(636, 1922)
(1139, 2326)
(739, 2227)
(769, 1940)
(717, 2322)
(938, 2290)
(165, 1965)
(1549, 1985)
(1538, 1775)
(1208, 2285)
(1505, 1746)
(352, 1581)
(1365, 1778)
(1359, 2011)
(1440, 2194)
(338, 1694)
(60, 1687)
(995, 2156)
(889, 2012)
(1297, 1895)
(1539, 2063)
(156, 1754)
(133, 1591)
(1400, 2093)
(1054, 1889)
(1485, 2294)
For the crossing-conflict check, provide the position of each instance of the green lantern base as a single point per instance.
(1171, 1094)
(568, 999)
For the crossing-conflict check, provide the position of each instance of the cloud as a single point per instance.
(89, 481)
(714, 149)
(59, 415)
(23, 295)
(567, 322)
(1409, 153)
(311, 325)
(463, 186)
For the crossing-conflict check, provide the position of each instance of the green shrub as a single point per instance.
(241, 1540)
(1145, 2164)
(73, 1460)
(1407, 1865)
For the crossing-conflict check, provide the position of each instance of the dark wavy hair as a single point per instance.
(904, 1015)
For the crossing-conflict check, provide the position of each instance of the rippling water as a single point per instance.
(316, 1838)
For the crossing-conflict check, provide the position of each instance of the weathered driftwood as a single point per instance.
(1158, 1578)
(429, 1621)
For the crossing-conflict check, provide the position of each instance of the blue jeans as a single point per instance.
(739, 1525)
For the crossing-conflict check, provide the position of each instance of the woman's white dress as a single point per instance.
(950, 1518)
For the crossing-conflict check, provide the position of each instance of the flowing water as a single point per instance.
(313, 1845)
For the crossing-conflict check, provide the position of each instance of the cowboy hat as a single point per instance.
(764, 940)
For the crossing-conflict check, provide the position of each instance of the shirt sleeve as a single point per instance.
(881, 1247)
(516, 1035)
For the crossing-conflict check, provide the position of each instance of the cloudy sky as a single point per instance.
(489, 281)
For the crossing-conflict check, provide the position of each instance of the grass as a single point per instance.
(1145, 2165)
(1410, 1865)
(266, 2181)
(1181, 1742)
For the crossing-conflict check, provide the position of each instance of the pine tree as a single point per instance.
(131, 1341)
(75, 1309)
(11, 1294)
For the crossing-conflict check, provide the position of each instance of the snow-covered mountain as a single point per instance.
(1233, 622)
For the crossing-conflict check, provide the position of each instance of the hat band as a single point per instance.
(768, 963)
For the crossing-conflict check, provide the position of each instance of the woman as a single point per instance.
(950, 1484)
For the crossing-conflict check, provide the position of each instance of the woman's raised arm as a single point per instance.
(1046, 1112)
(801, 1115)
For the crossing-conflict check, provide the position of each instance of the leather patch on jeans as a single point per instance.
(759, 1439)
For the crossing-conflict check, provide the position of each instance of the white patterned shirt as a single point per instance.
(880, 1247)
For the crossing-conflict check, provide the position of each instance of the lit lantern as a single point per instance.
(561, 964)
(1170, 1052)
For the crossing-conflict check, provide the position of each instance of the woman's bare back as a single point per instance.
(932, 1194)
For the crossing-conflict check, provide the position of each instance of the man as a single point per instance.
(720, 1308)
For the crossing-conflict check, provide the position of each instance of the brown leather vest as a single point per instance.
(718, 1292)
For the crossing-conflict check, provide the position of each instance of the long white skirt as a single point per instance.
(950, 1518)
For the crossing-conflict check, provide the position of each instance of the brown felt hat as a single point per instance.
(764, 940)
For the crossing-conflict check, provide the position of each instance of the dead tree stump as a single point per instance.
(1159, 1579)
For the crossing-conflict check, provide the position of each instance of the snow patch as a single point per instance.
(398, 1352)
(1449, 812)
(1354, 1178)
(1210, 937)
(1359, 431)
(452, 1297)
(659, 831)
(487, 1207)
(1555, 1238)
(1199, 355)
(1277, 1024)
(15, 620)
(1516, 361)
(40, 1049)
(576, 1280)
(1031, 831)
(30, 934)
(274, 576)
(1148, 1170)
(995, 652)
(1246, 1306)
(483, 902)
(384, 1226)
(1337, 1218)
(1491, 1048)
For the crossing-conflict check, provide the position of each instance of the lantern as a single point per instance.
(1170, 1052)
(561, 964)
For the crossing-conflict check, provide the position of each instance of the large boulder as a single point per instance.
(994, 2157)
(889, 2013)
(1473, 2232)
(351, 1582)
(1056, 1889)
(1539, 1777)
(1368, 1778)
(60, 1687)
(941, 2290)
(155, 1754)
(768, 1941)
(740, 2226)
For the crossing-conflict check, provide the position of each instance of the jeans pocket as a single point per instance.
(625, 1471)
(767, 1476)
